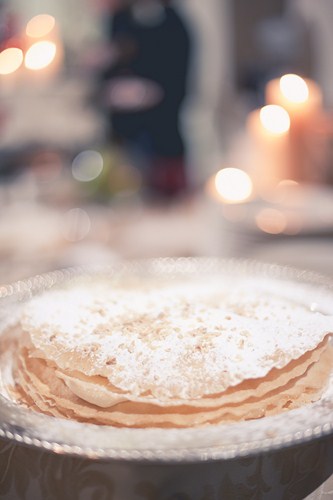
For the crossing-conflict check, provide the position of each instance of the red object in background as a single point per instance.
(9, 29)
(168, 176)
(15, 42)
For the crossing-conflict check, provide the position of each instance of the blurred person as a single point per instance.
(146, 85)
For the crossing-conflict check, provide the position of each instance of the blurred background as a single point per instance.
(147, 128)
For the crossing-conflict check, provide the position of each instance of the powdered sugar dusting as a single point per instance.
(176, 340)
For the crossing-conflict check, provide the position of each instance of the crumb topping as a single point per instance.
(182, 340)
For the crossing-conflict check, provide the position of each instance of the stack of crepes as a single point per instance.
(170, 355)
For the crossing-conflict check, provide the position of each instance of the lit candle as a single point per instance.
(268, 130)
(230, 186)
(44, 48)
(11, 60)
(302, 98)
(41, 26)
(40, 55)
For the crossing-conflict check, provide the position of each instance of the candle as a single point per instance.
(40, 55)
(268, 130)
(302, 98)
(40, 26)
(11, 60)
(44, 48)
(230, 185)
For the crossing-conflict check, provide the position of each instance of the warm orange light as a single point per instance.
(271, 221)
(40, 26)
(275, 119)
(294, 88)
(233, 185)
(40, 55)
(10, 60)
(287, 183)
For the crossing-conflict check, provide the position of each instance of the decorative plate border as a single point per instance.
(215, 442)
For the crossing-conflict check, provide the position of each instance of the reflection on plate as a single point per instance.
(290, 210)
(212, 442)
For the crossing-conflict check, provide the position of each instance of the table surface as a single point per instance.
(192, 227)
(324, 492)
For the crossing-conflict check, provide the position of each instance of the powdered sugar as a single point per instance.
(177, 340)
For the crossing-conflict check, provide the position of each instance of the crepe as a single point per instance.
(175, 354)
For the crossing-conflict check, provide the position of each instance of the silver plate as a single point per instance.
(166, 445)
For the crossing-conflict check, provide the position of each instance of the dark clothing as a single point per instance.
(158, 53)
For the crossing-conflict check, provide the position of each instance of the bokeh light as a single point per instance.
(287, 183)
(271, 221)
(76, 224)
(294, 88)
(87, 166)
(40, 26)
(10, 60)
(40, 55)
(275, 119)
(233, 185)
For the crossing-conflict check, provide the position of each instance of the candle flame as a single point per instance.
(233, 185)
(275, 119)
(40, 55)
(294, 88)
(40, 26)
(10, 60)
